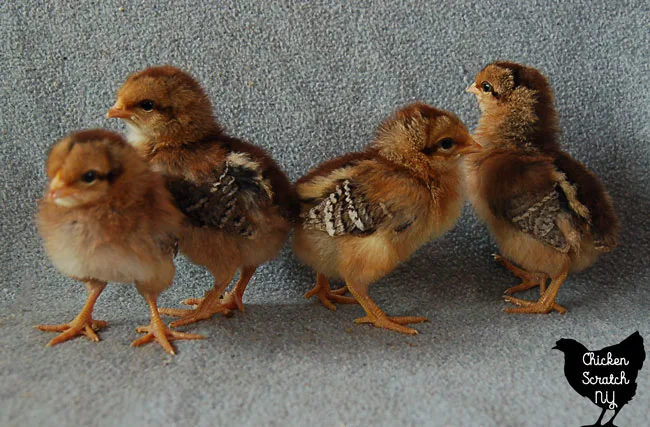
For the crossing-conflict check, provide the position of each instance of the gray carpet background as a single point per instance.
(308, 81)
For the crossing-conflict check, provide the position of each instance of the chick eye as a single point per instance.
(147, 105)
(446, 143)
(486, 87)
(89, 177)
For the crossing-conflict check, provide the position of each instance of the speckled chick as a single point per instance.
(364, 213)
(549, 214)
(238, 204)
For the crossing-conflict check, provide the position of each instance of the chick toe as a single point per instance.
(81, 325)
(392, 323)
(532, 307)
(528, 279)
(327, 296)
(158, 332)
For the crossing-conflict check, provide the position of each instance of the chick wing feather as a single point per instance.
(538, 217)
(538, 213)
(228, 199)
(346, 210)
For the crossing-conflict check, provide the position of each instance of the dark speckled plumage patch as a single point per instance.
(539, 217)
(227, 202)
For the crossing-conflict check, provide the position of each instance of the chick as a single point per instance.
(238, 204)
(548, 213)
(364, 213)
(106, 217)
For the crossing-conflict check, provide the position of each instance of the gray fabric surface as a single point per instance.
(308, 81)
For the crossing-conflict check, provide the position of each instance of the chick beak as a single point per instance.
(117, 112)
(555, 347)
(472, 89)
(474, 147)
(58, 189)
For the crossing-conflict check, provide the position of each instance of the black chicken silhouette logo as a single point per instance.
(607, 377)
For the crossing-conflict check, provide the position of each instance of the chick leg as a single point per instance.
(83, 324)
(328, 297)
(378, 318)
(157, 331)
(231, 300)
(529, 280)
(546, 302)
(208, 306)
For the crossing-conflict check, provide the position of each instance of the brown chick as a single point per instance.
(364, 213)
(237, 202)
(106, 217)
(548, 213)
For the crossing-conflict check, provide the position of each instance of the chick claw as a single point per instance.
(157, 331)
(393, 323)
(531, 307)
(328, 297)
(79, 326)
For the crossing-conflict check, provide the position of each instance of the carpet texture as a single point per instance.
(308, 81)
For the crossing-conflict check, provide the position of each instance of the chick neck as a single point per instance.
(177, 134)
(525, 121)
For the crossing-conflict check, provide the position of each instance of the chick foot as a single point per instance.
(229, 300)
(190, 301)
(546, 302)
(206, 308)
(202, 312)
(81, 325)
(528, 279)
(327, 296)
(158, 332)
(376, 317)
(394, 323)
(532, 307)
(232, 301)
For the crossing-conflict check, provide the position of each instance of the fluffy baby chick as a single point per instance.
(364, 213)
(106, 217)
(237, 202)
(548, 213)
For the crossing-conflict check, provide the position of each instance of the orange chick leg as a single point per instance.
(83, 324)
(157, 331)
(208, 306)
(528, 279)
(378, 318)
(230, 300)
(233, 300)
(327, 296)
(546, 302)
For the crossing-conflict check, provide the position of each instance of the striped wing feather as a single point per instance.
(346, 211)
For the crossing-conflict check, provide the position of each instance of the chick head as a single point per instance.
(87, 166)
(424, 135)
(507, 84)
(163, 103)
